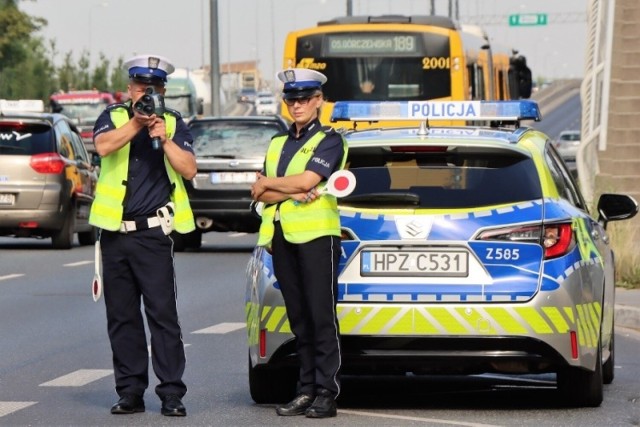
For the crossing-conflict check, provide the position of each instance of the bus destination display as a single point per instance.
(371, 44)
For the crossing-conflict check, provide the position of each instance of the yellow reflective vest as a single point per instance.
(107, 208)
(300, 222)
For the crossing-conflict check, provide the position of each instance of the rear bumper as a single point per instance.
(47, 220)
(438, 355)
(224, 215)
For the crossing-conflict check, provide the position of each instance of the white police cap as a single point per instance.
(300, 82)
(149, 69)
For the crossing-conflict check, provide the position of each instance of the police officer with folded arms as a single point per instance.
(140, 199)
(302, 228)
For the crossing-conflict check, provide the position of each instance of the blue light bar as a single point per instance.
(436, 110)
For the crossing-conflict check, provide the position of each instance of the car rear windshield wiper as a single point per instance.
(383, 198)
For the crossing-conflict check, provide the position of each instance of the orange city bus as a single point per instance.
(399, 58)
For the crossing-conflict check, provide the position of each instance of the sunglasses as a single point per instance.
(301, 101)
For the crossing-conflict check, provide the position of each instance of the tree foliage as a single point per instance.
(27, 62)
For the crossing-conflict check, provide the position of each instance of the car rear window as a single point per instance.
(25, 139)
(231, 140)
(468, 179)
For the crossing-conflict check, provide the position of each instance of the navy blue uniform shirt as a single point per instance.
(327, 157)
(148, 186)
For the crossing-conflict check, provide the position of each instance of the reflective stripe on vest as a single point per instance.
(107, 208)
(301, 222)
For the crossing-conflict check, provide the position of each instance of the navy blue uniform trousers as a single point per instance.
(138, 268)
(308, 278)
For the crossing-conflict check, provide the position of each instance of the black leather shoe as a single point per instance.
(128, 404)
(297, 406)
(324, 406)
(172, 406)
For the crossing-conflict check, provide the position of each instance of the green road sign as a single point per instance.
(528, 19)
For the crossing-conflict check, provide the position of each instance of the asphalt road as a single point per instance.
(55, 366)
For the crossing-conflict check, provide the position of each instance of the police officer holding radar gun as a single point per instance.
(140, 198)
(303, 229)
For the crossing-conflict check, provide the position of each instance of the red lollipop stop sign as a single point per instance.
(340, 184)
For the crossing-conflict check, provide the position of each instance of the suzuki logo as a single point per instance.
(413, 227)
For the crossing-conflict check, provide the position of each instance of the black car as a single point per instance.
(229, 152)
(47, 182)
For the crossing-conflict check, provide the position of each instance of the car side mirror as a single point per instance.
(616, 207)
(96, 160)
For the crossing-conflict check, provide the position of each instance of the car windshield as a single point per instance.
(83, 113)
(453, 179)
(229, 139)
(25, 139)
(570, 136)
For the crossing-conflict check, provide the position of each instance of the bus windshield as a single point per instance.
(379, 66)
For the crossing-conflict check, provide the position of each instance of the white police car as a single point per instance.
(465, 250)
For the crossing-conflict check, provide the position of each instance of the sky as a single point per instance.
(256, 29)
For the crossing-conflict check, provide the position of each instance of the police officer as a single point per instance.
(303, 230)
(140, 198)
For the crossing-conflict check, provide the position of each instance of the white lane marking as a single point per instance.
(221, 328)
(628, 332)
(10, 276)
(404, 417)
(76, 264)
(78, 378)
(7, 408)
(237, 234)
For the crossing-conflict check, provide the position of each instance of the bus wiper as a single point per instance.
(383, 198)
(216, 156)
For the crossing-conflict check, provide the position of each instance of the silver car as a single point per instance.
(47, 182)
(567, 145)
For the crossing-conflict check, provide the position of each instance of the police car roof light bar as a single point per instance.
(21, 106)
(503, 111)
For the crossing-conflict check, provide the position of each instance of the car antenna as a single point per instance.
(424, 128)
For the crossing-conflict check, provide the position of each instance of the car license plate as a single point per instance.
(7, 199)
(233, 177)
(423, 262)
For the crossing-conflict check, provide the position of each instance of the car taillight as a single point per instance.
(47, 163)
(556, 239)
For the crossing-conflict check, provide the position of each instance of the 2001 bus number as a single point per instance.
(434, 63)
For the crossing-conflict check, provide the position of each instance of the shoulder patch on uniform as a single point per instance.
(173, 112)
(111, 107)
(328, 130)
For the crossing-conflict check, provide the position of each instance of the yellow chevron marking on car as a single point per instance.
(275, 318)
(420, 320)
(591, 327)
(252, 325)
(378, 321)
(424, 323)
(447, 321)
(505, 320)
(556, 318)
(403, 323)
(585, 243)
(534, 320)
(585, 326)
(569, 312)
